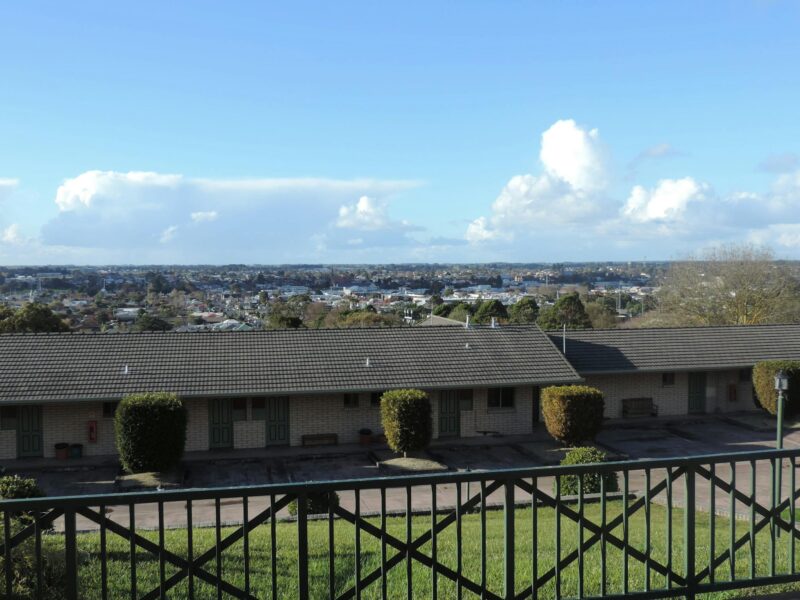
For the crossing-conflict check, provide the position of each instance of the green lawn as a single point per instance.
(286, 538)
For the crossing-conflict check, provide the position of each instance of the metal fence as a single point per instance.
(674, 528)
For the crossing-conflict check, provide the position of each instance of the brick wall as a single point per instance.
(197, 424)
(672, 400)
(8, 444)
(69, 423)
(509, 421)
(250, 433)
(327, 414)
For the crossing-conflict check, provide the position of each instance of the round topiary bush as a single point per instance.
(591, 481)
(151, 431)
(406, 419)
(764, 385)
(317, 503)
(572, 413)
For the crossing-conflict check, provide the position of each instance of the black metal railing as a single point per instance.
(675, 528)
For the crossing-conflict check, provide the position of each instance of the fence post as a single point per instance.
(302, 546)
(689, 534)
(509, 540)
(70, 555)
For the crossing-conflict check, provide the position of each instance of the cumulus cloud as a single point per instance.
(667, 201)
(367, 213)
(146, 216)
(12, 235)
(570, 187)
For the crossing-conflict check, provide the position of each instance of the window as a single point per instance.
(8, 417)
(465, 399)
(667, 379)
(501, 397)
(110, 409)
(259, 406)
(351, 400)
(375, 398)
(239, 409)
(745, 375)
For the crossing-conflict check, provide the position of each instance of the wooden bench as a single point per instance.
(320, 439)
(639, 407)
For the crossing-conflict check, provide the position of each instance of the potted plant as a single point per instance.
(365, 436)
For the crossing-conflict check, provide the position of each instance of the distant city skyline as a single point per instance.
(313, 132)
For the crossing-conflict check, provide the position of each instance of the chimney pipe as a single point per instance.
(564, 339)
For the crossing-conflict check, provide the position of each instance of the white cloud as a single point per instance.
(569, 189)
(168, 234)
(153, 217)
(11, 235)
(7, 186)
(204, 216)
(367, 213)
(668, 201)
(479, 231)
(574, 155)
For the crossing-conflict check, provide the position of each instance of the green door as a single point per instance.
(697, 392)
(220, 419)
(29, 431)
(278, 421)
(449, 414)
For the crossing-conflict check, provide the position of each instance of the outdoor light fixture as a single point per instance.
(781, 386)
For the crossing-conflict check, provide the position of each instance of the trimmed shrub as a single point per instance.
(572, 413)
(591, 481)
(406, 419)
(13, 487)
(151, 431)
(764, 385)
(317, 503)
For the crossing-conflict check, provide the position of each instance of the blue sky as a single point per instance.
(368, 132)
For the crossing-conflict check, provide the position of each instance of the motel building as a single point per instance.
(260, 389)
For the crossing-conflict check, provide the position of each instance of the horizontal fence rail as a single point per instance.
(660, 528)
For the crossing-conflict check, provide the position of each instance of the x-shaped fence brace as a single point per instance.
(411, 551)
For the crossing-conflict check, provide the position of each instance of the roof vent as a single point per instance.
(466, 323)
(366, 362)
(125, 370)
(466, 346)
(494, 323)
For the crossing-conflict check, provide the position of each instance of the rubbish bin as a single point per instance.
(62, 451)
(76, 450)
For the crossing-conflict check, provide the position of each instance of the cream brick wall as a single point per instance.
(8, 444)
(508, 421)
(672, 400)
(250, 433)
(327, 414)
(69, 423)
(197, 424)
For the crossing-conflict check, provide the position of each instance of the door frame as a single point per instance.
(36, 408)
(690, 409)
(268, 401)
(455, 399)
(221, 401)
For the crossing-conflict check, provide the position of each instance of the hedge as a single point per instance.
(406, 419)
(572, 413)
(151, 431)
(591, 481)
(764, 385)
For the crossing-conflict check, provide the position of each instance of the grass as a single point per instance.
(147, 566)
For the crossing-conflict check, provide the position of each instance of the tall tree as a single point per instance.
(568, 310)
(32, 318)
(524, 311)
(489, 309)
(728, 285)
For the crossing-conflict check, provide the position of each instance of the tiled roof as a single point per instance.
(74, 366)
(678, 349)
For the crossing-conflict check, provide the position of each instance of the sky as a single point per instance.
(370, 132)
